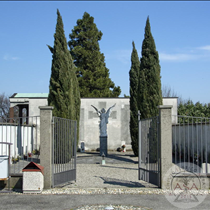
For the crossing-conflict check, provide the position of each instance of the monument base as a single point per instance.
(103, 145)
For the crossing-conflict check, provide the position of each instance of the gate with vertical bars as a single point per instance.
(191, 143)
(63, 150)
(149, 150)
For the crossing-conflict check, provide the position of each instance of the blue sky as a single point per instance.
(181, 31)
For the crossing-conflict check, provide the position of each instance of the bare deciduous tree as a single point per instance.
(167, 91)
(4, 107)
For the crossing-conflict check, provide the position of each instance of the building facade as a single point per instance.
(118, 130)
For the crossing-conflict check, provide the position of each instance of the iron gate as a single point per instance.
(149, 150)
(191, 143)
(64, 150)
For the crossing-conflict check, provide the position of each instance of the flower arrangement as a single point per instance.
(119, 149)
(123, 147)
(36, 152)
(15, 159)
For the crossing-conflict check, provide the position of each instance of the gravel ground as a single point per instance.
(117, 177)
(114, 207)
(120, 171)
(109, 176)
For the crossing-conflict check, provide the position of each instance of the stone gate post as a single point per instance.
(165, 128)
(46, 143)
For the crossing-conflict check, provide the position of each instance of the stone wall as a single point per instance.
(117, 128)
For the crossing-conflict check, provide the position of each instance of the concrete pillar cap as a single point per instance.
(164, 106)
(46, 107)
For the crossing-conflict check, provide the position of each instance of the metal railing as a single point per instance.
(149, 150)
(191, 143)
(64, 150)
(24, 134)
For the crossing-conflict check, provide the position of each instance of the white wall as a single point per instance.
(33, 103)
(24, 139)
(174, 103)
(117, 129)
(34, 106)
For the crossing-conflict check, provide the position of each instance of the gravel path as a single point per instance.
(108, 176)
(119, 176)
(120, 171)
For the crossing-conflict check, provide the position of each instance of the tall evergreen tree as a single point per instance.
(64, 93)
(134, 76)
(63, 89)
(92, 74)
(149, 94)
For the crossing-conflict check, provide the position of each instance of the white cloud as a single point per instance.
(15, 58)
(124, 56)
(190, 54)
(207, 47)
(5, 57)
(8, 58)
(176, 57)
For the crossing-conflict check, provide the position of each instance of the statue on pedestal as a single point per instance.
(104, 119)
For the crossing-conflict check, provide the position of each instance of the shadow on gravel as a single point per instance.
(120, 182)
(108, 166)
(124, 158)
(121, 157)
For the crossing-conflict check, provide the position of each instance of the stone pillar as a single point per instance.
(46, 143)
(165, 128)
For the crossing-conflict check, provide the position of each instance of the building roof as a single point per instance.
(45, 95)
(29, 95)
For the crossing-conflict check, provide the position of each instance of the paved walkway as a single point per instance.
(72, 202)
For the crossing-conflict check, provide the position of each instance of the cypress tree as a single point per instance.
(149, 94)
(92, 74)
(134, 76)
(63, 89)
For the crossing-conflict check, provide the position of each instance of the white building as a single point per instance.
(117, 129)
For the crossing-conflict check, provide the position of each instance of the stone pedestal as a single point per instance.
(33, 178)
(103, 145)
(33, 182)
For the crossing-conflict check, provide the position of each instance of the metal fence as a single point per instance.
(191, 143)
(24, 135)
(64, 150)
(149, 151)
